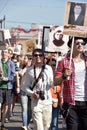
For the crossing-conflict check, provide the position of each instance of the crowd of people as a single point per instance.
(47, 86)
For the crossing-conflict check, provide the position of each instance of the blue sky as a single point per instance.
(25, 12)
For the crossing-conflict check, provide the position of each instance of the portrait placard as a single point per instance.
(75, 23)
(2, 44)
(27, 46)
(54, 40)
(1, 36)
(45, 37)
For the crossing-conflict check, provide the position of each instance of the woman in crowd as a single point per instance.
(25, 99)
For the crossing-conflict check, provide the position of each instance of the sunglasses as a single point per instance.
(82, 43)
(36, 55)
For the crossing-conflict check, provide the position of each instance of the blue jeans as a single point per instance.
(55, 114)
(26, 108)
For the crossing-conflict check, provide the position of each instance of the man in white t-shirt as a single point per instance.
(74, 87)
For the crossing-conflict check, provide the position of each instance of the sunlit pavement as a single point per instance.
(15, 121)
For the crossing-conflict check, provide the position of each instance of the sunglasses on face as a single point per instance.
(36, 55)
(82, 43)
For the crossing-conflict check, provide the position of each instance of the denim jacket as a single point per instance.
(11, 74)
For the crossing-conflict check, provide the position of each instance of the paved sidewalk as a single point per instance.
(15, 122)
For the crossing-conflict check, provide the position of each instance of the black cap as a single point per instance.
(75, 38)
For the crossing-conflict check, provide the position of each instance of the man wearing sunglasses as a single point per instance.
(39, 90)
(74, 79)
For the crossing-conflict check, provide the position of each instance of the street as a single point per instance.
(15, 122)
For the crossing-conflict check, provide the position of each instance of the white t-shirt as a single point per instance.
(80, 81)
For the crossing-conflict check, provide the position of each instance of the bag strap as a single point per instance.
(37, 79)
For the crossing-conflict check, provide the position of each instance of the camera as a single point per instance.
(41, 94)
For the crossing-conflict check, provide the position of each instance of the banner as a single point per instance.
(26, 31)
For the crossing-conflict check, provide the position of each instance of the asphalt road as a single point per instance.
(15, 122)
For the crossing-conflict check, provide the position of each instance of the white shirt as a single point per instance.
(80, 82)
(43, 85)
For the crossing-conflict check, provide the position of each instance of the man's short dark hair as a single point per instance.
(37, 50)
(75, 38)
